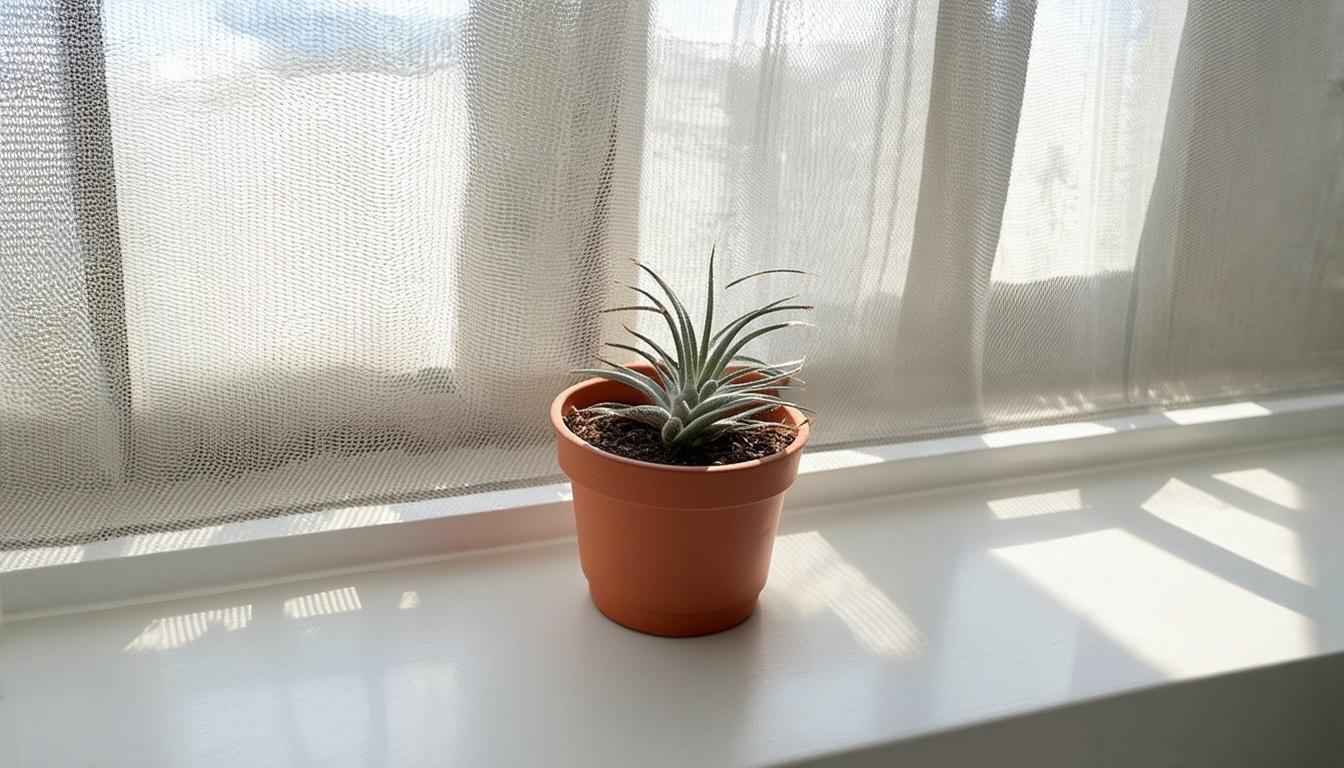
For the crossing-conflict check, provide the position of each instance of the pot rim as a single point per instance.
(800, 422)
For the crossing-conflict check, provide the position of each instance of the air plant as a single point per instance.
(707, 388)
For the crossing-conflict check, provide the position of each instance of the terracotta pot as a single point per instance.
(669, 550)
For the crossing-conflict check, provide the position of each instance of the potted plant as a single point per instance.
(679, 465)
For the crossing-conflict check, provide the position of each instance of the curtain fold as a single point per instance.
(259, 256)
(1241, 253)
(980, 69)
(63, 386)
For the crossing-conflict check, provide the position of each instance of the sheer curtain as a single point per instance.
(268, 255)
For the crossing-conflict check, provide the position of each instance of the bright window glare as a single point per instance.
(1089, 137)
(708, 22)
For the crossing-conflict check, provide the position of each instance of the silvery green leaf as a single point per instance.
(759, 332)
(725, 349)
(633, 379)
(651, 415)
(671, 431)
(684, 319)
(673, 326)
(695, 396)
(657, 365)
(745, 278)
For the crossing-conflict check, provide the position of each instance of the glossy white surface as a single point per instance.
(881, 620)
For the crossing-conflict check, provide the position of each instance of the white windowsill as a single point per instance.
(200, 561)
(885, 620)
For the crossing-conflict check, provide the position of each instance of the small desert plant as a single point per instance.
(707, 388)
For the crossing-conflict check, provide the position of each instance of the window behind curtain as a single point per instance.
(267, 255)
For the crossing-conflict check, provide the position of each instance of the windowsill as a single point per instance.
(151, 567)
(884, 620)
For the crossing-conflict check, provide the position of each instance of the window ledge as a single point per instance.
(1118, 616)
(122, 571)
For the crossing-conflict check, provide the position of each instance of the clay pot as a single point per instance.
(670, 550)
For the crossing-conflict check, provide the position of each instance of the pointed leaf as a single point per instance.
(668, 361)
(721, 360)
(747, 317)
(666, 377)
(766, 272)
(693, 429)
(678, 341)
(651, 415)
(730, 331)
(683, 317)
(635, 307)
(671, 430)
(732, 400)
(709, 308)
(765, 369)
(776, 381)
(633, 379)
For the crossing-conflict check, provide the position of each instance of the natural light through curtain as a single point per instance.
(259, 256)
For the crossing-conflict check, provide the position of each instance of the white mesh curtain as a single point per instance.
(269, 255)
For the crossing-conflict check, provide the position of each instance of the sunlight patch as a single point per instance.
(1170, 613)
(343, 600)
(1212, 413)
(1249, 536)
(176, 631)
(1034, 504)
(812, 576)
(1265, 484)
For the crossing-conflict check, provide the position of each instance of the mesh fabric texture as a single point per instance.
(259, 257)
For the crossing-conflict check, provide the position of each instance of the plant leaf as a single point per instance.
(776, 381)
(671, 431)
(709, 307)
(766, 272)
(683, 317)
(746, 317)
(678, 342)
(652, 415)
(694, 394)
(759, 332)
(632, 379)
(765, 369)
(656, 301)
(667, 359)
(638, 307)
(732, 425)
(730, 331)
(657, 364)
(732, 400)
(692, 430)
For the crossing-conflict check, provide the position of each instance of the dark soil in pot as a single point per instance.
(632, 440)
